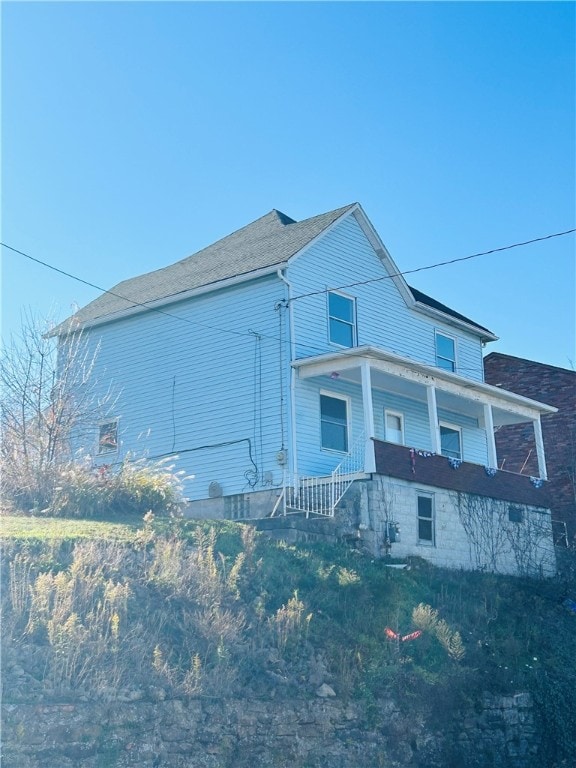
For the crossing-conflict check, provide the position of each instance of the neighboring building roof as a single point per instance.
(512, 366)
(268, 242)
(430, 302)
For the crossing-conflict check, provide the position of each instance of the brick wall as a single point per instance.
(515, 444)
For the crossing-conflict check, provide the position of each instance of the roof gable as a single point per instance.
(261, 247)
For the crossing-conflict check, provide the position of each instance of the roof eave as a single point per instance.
(64, 328)
(484, 333)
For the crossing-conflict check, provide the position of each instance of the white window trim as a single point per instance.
(398, 414)
(419, 541)
(354, 319)
(348, 400)
(454, 339)
(101, 424)
(456, 428)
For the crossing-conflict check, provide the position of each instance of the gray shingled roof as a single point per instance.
(270, 240)
(429, 301)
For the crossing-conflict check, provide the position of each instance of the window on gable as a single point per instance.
(108, 437)
(394, 427)
(334, 423)
(515, 514)
(445, 352)
(341, 319)
(425, 519)
(451, 441)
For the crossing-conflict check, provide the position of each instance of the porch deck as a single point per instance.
(430, 469)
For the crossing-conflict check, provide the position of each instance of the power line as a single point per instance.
(143, 304)
(147, 306)
(118, 296)
(433, 266)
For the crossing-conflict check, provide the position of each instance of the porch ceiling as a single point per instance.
(407, 378)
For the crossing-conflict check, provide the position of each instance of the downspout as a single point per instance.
(293, 462)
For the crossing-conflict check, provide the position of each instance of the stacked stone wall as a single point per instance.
(269, 734)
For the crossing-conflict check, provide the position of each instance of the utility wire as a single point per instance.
(437, 264)
(145, 305)
(133, 302)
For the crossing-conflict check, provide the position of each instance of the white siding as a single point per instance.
(204, 387)
(345, 256)
(312, 460)
(342, 257)
(213, 387)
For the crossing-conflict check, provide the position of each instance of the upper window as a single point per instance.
(341, 320)
(445, 352)
(334, 423)
(451, 441)
(394, 427)
(108, 437)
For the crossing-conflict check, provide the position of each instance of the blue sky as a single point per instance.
(134, 134)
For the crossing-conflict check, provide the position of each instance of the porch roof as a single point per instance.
(394, 373)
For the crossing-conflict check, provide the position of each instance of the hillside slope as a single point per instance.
(113, 614)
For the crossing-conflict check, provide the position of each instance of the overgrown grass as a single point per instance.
(214, 609)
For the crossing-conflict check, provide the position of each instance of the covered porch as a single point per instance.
(375, 370)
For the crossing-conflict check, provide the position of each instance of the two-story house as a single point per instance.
(291, 369)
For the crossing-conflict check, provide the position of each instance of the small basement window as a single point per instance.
(108, 437)
(516, 514)
(425, 519)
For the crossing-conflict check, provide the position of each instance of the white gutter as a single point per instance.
(438, 314)
(293, 451)
(146, 306)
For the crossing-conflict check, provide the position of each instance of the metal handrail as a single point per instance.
(320, 495)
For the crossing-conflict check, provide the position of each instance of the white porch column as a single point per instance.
(540, 448)
(369, 458)
(490, 441)
(433, 418)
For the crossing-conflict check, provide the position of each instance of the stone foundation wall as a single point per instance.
(317, 733)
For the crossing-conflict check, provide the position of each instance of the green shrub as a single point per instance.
(136, 487)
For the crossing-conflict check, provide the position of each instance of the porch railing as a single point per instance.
(321, 495)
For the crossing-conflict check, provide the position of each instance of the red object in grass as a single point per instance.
(395, 636)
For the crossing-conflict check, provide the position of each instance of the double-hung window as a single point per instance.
(451, 441)
(334, 423)
(445, 352)
(425, 519)
(341, 319)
